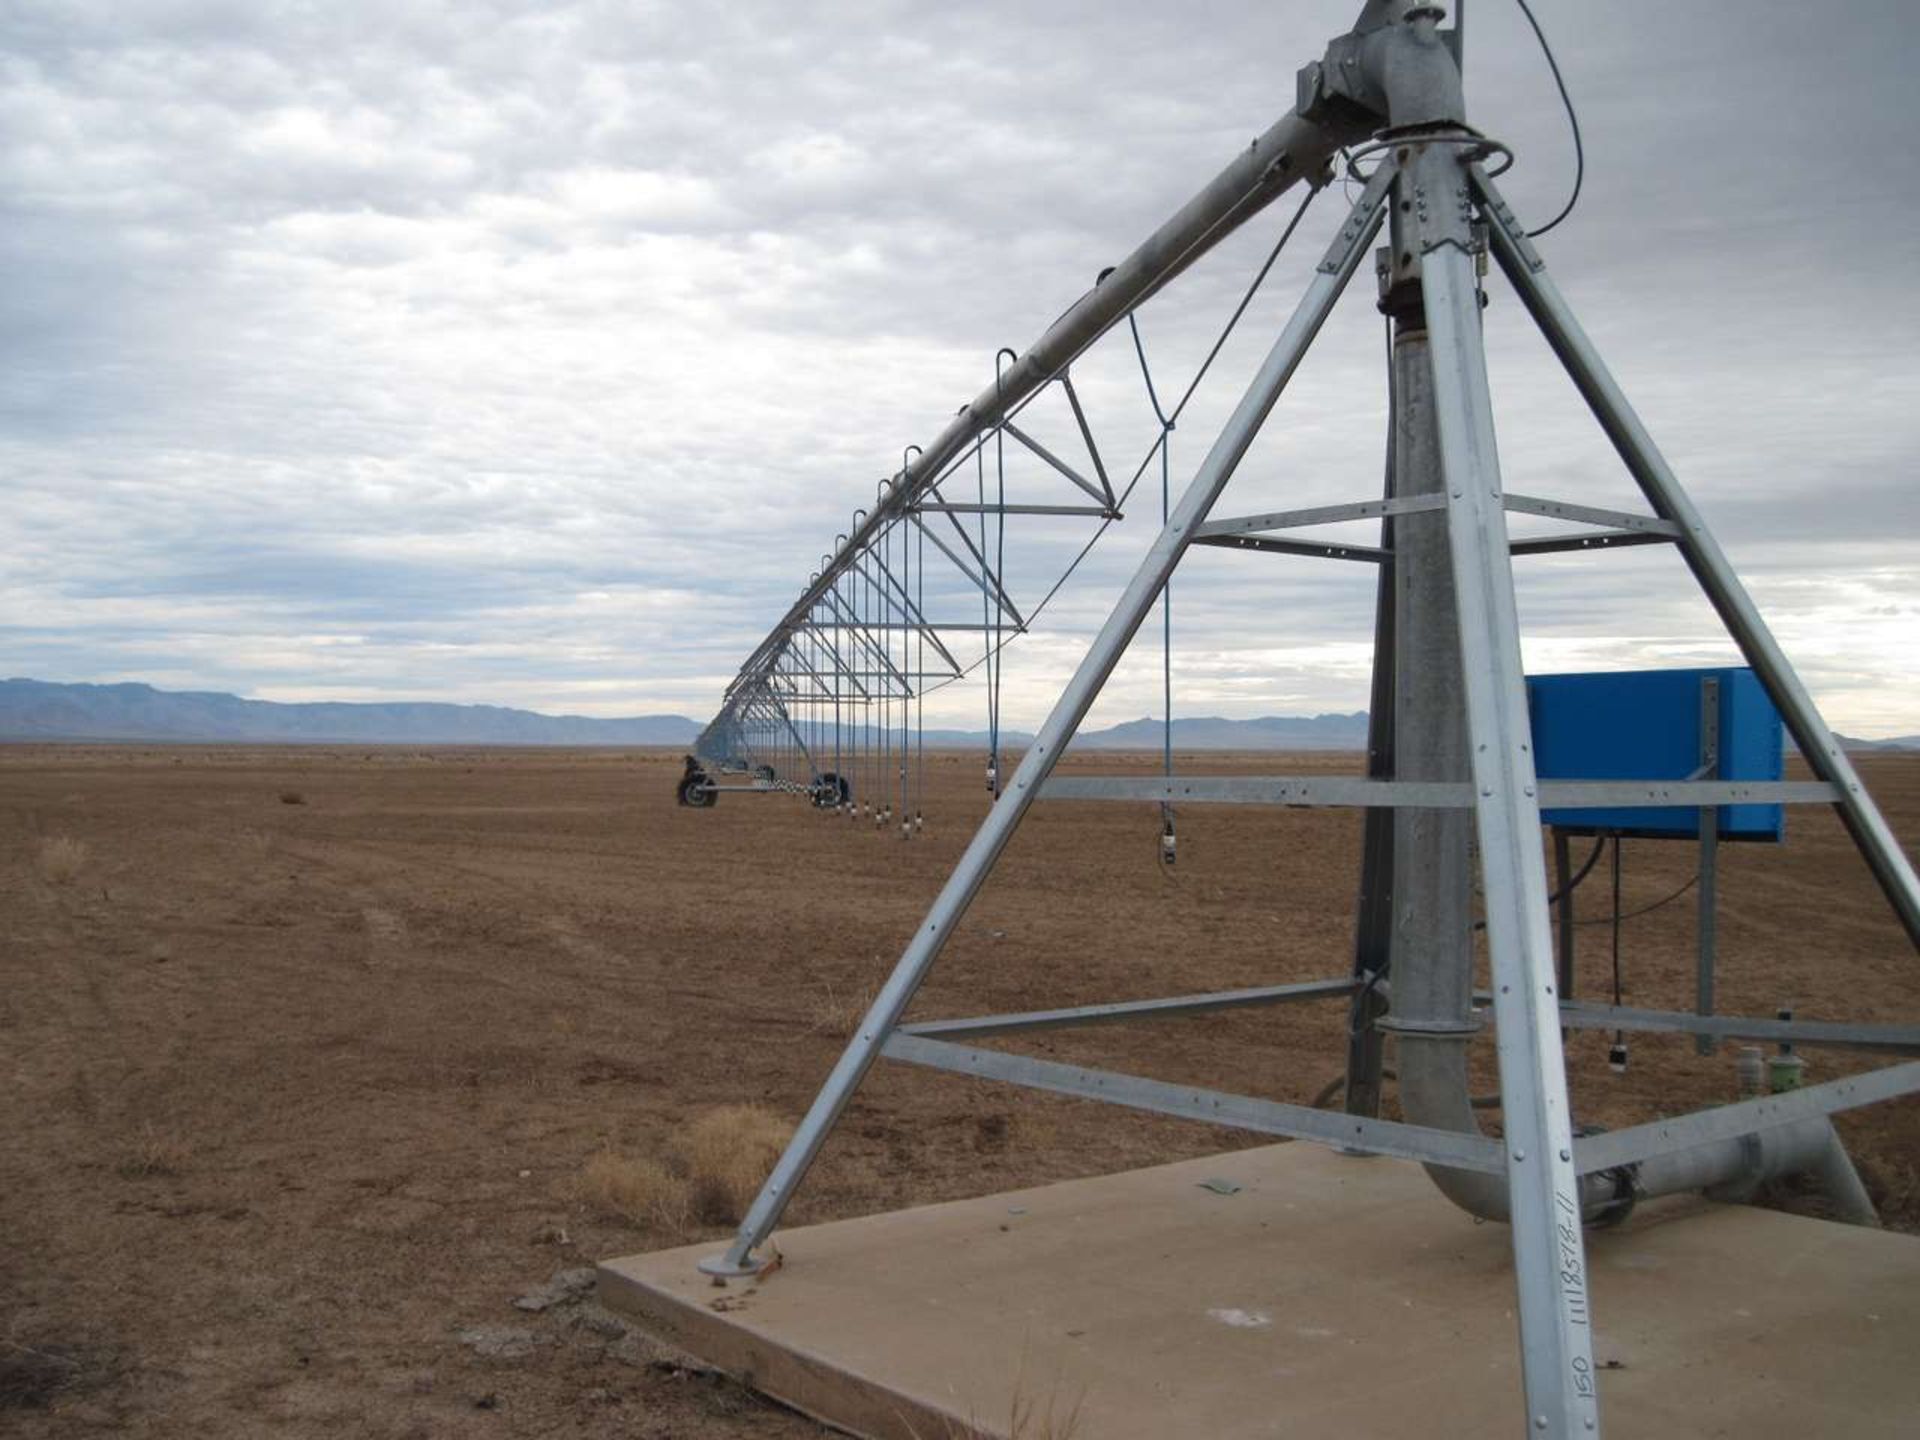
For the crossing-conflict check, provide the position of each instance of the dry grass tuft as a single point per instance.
(1031, 1419)
(636, 1189)
(727, 1154)
(837, 1011)
(292, 797)
(62, 858)
(154, 1152)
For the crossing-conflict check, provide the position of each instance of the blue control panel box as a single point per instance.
(1645, 725)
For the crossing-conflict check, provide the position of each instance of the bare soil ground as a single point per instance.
(308, 1051)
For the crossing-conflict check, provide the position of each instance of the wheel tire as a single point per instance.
(697, 791)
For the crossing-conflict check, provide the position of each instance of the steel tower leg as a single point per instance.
(1528, 273)
(1543, 1192)
(1329, 280)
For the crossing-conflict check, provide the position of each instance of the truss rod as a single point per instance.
(1353, 791)
(992, 590)
(1729, 1122)
(1242, 1112)
(984, 1025)
(1841, 1034)
(1292, 150)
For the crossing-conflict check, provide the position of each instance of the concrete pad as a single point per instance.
(1327, 1296)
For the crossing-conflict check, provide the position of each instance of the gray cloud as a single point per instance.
(535, 352)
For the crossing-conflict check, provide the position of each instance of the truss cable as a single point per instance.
(1617, 1052)
(882, 610)
(1573, 123)
(853, 727)
(997, 676)
(989, 622)
(839, 765)
(888, 605)
(1292, 225)
(1168, 840)
(843, 607)
(861, 747)
(900, 580)
(882, 602)
(897, 542)
(919, 538)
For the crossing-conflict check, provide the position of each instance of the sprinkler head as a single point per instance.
(1617, 1057)
(1168, 846)
(993, 777)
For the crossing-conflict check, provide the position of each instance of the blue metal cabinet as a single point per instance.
(1646, 725)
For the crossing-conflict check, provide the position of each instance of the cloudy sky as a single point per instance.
(534, 353)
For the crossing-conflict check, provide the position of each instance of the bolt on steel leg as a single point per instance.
(1329, 280)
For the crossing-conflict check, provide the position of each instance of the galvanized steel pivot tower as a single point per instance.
(1449, 670)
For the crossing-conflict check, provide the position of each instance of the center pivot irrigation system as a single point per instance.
(1452, 757)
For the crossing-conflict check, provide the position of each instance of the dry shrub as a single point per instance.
(62, 858)
(292, 797)
(154, 1152)
(38, 1376)
(636, 1189)
(727, 1154)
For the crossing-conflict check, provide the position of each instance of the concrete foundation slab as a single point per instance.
(1322, 1295)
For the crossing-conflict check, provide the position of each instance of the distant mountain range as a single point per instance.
(1211, 732)
(1898, 742)
(42, 710)
(38, 710)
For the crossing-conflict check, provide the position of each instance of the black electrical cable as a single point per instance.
(1667, 899)
(1573, 122)
(1619, 989)
(1573, 883)
(1166, 840)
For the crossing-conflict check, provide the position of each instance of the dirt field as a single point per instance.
(308, 1051)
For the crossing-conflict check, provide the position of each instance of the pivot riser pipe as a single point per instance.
(1075, 700)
